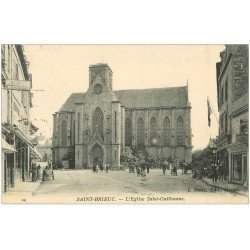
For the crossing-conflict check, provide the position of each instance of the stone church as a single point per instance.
(94, 126)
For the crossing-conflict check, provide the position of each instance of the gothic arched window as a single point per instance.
(64, 134)
(97, 121)
(166, 132)
(153, 132)
(78, 127)
(180, 131)
(140, 132)
(128, 132)
(73, 132)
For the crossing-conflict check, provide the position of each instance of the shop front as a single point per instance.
(17, 152)
(8, 165)
(238, 164)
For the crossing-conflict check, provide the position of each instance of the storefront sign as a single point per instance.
(18, 85)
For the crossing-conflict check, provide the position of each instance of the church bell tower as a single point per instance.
(101, 74)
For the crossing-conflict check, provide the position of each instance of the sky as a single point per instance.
(59, 70)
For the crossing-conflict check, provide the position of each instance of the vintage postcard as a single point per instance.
(124, 124)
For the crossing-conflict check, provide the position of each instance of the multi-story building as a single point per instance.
(94, 126)
(232, 97)
(17, 149)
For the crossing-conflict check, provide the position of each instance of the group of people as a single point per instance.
(48, 173)
(141, 171)
(219, 172)
(138, 168)
(216, 171)
(37, 173)
(144, 168)
(100, 168)
(172, 166)
(169, 166)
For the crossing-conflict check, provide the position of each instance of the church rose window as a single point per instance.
(140, 132)
(98, 121)
(166, 132)
(153, 132)
(64, 134)
(128, 132)
(180, 131)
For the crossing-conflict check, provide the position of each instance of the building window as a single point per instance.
(73, 132)
(115, 128)
(237, 167)
(153, 132)
(140, 132)
(180, 131)
(226, 90)
(166, 132)
(98, 121)
(128, 132)
(64, 134)
(244, 126)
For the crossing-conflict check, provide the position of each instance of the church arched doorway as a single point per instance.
(97, 153)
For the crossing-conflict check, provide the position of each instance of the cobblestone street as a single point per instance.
(71, 186)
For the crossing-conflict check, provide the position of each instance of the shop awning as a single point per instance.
(20, 135)
(7, 148)
(34, 154)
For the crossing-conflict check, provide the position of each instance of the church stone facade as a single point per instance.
(94, 126)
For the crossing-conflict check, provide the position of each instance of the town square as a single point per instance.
(141, 132)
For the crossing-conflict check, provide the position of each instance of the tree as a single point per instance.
(126, 156)
(203, 158)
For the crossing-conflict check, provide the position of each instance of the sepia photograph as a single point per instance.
(124, 124)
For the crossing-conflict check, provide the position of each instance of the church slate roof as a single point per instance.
(70, 102)
(157, 97)
(140, 98)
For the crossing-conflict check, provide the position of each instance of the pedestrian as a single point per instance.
(107, 168)
(214, 173)
(39, 172)
(130, 167)
(48, 173)
(94, 168)
(34, 172)
(101, 166)
(170, 167)
(220, 172)
(143, 174)
(138, 171)
(164, 168)
(97, 167)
